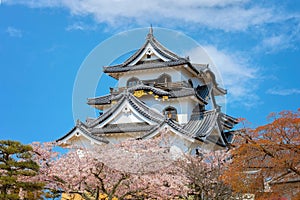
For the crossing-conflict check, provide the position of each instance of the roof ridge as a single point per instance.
(146, 111)
(81, 126)
(106, 114)
(148, 87)
(156, 45)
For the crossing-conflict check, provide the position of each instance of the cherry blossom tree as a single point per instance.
(132, 169)
(204, 172)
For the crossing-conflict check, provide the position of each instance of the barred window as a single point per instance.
(132, 82)
(164, 78)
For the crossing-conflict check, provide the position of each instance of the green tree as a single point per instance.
(16, 169)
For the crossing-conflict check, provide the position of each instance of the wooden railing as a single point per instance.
(168, 85)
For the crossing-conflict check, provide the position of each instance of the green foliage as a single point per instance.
(16, 170)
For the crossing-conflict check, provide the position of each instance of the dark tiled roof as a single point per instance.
(135, 103)
(198, 127)
(181, 92)
(150, 88)
(144, 109)
(153, 129)
(173, 59)
(82, 127)
(107, 114)
(201, 125)
(200, 93)
(123, 128)
(124, 68)
(100, 100)
(227, 121)
(156, 45)
(177, 127)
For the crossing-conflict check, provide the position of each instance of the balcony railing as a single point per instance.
(167, 85)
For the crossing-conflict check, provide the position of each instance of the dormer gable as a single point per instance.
(151, 51)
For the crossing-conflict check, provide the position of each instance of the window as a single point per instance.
(170, 112)
(164, 78)
(191, 83)
(149, 52)
(132, 82)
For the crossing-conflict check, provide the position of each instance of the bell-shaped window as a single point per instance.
(164, 78)
(149, 52)
(132, 82)
(170, 112)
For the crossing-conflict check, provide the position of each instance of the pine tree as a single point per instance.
(16, 168)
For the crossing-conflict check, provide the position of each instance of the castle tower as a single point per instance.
(158, 92)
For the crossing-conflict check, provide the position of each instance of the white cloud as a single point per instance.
(283, 92)
(228, 15)
(233, 71)
(275, 43)
(80, 26)
(13, 32)
(35, 3)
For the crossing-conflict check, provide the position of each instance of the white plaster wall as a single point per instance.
(180, 143)
(124, 118)
(151, 74)
(82, 141)
(176, 74)
(154, 54)
(120, 137)
(186, 76)
(184, 106)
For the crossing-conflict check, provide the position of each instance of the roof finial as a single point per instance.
(151, 30)
(150, 34)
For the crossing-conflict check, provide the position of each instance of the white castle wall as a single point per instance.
(184, 106)
(195, 80)
(176, 74)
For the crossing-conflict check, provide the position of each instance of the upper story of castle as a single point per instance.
(156, 66)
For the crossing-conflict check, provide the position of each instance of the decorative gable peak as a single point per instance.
(151, 51)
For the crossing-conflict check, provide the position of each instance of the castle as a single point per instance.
(158, 92)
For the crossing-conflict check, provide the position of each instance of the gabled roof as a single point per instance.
(146, 111)
(169, 59)
(157, 46)
(83, 130)
(123, 128)
(200, 127)
(139, 106)
(107, 114)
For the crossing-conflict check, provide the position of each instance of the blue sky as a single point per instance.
(44, 44)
